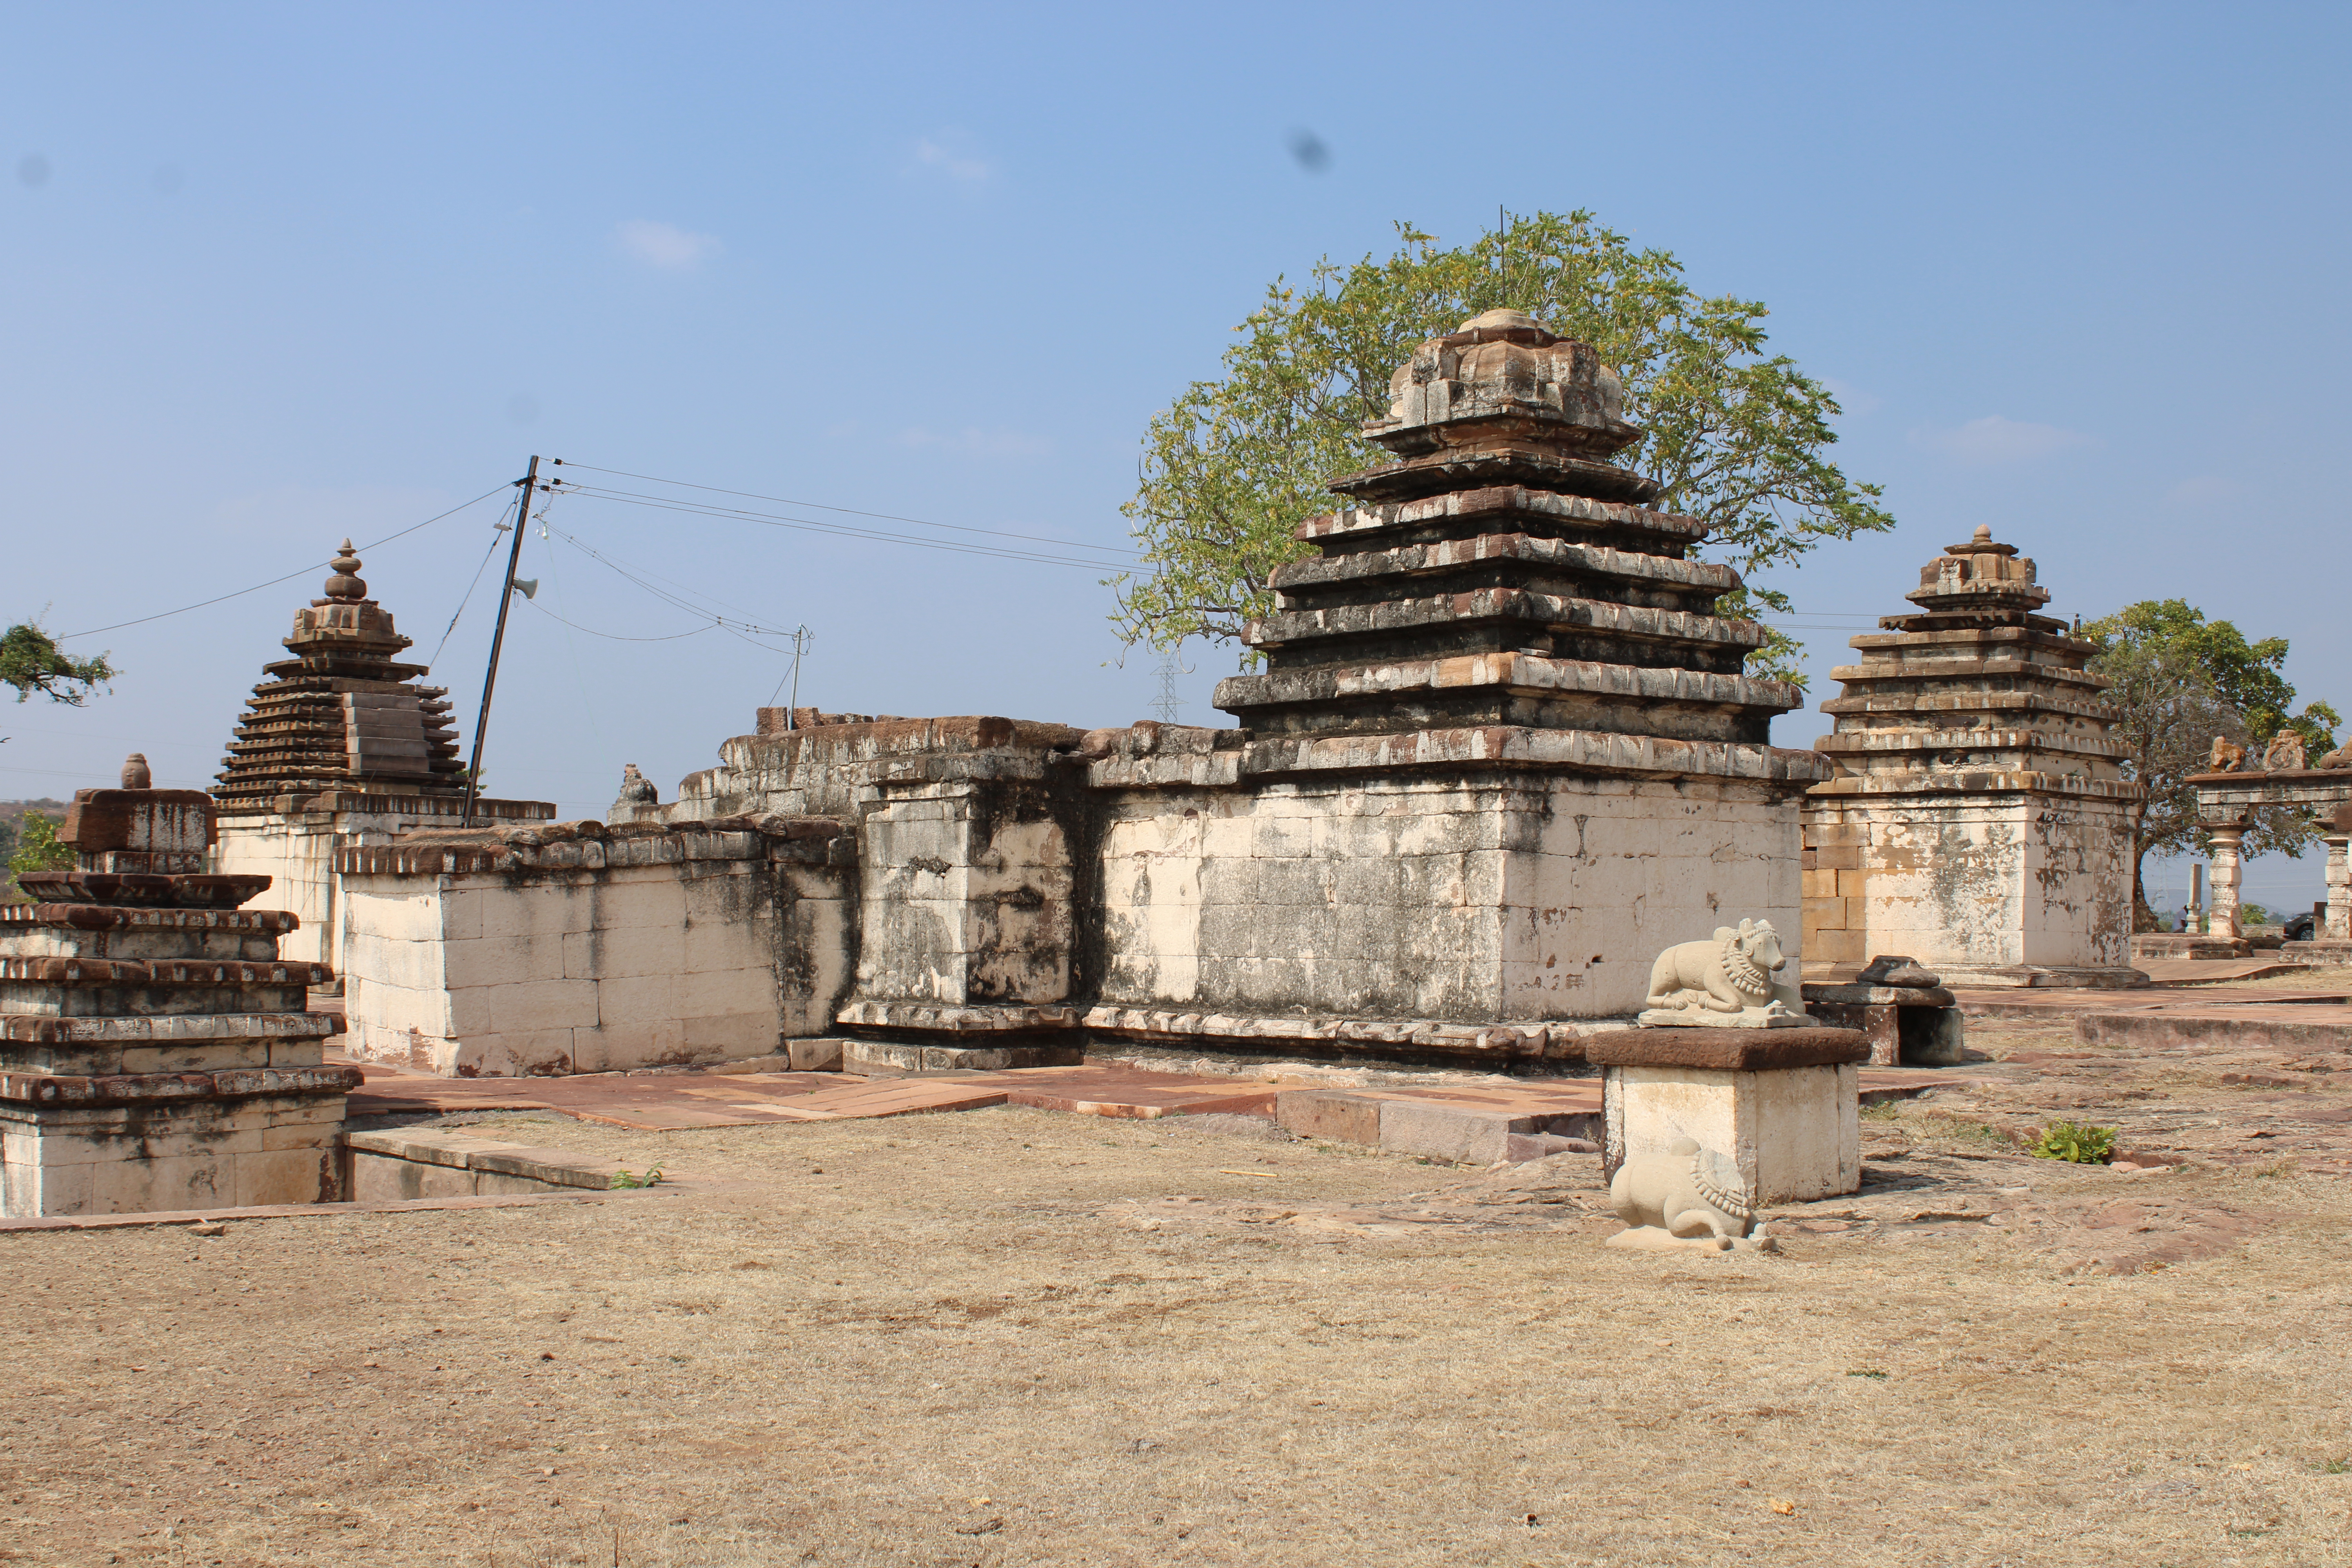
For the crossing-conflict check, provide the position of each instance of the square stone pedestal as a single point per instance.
(1784, 1104)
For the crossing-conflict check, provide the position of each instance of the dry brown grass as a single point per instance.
(945, 1340)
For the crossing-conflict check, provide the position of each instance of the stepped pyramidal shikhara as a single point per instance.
(339, 745)
(342, 714)
(1507, 576)
(1980, 821)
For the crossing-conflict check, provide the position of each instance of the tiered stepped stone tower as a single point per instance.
(1980, 821)
(154, 1050)
(1505, 576)
(1503, 752)
(339, 745)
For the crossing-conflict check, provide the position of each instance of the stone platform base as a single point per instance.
(97, 1152)
(393, 1166)
(2162, 944)
(2287, 1026)
(1782, 1104)
(2330, 951)
(2004, 976)
(884, 1058)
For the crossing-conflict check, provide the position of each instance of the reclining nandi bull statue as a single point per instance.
(1726, 982)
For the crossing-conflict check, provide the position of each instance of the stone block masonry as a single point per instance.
(1502, 752)
(155, 1052)
(576, 947)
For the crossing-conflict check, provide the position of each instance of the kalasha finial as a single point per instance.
(134, 771)
(345, 584)
(1983, 536)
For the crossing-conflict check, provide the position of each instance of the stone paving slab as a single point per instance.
(2204, 971)
(2301, 1027)
(301, 1211)
(1447, 1114)
(2057, 1003)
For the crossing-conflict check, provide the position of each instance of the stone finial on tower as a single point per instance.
(135, 773)
(344, 586)
(1980, 575)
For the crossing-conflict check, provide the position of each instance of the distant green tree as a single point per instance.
(1740, 438)
(2181, 680)
(31, 662)
(37, 847)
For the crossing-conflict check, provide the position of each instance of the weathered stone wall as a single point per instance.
(1969, 884)
(597, 954)
(1487, 899)
(295, 849)
(965, 894)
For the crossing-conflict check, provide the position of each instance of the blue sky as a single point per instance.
(279, 274)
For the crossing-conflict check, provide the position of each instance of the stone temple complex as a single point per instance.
(1979, 821)
(339, 745)
(1501, 753)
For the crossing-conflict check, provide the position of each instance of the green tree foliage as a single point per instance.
(2181, 680)
(37, 848)
(1738, 438)
(31, 662)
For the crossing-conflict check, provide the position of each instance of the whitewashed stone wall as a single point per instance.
(296, 850)
(965, 894)
(1506, 898)
(1970, 887)
(667, 948)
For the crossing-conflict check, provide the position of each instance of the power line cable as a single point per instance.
(847, 510)
(809, 525)
(616, 636)
(496, 530)
(304, 571)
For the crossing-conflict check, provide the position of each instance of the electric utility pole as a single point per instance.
(529, 482)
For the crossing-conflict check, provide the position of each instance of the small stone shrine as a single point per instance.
(339, 745)
(1502, 752)
(154, 1050)
(1979, 819)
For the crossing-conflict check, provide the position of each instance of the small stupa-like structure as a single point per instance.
(340, 744)
(342, 714)
(155, 1052)
(1980, 821)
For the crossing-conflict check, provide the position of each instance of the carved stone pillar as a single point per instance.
(2339, 886)
(2225, 841)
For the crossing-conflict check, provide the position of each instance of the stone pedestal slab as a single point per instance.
(1782, 1104)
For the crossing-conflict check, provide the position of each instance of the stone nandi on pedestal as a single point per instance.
(1727, 982)
(1727, 1098)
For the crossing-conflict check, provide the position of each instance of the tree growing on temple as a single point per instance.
(30, 661)
(2181, 680)
(1740, 438)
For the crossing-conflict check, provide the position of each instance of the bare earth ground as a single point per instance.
(1011, 1337)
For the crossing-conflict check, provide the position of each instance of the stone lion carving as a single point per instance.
(1687, 1194)
(2227, 757)
(2285, 754)
(1726, 982)
(2341, 757)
